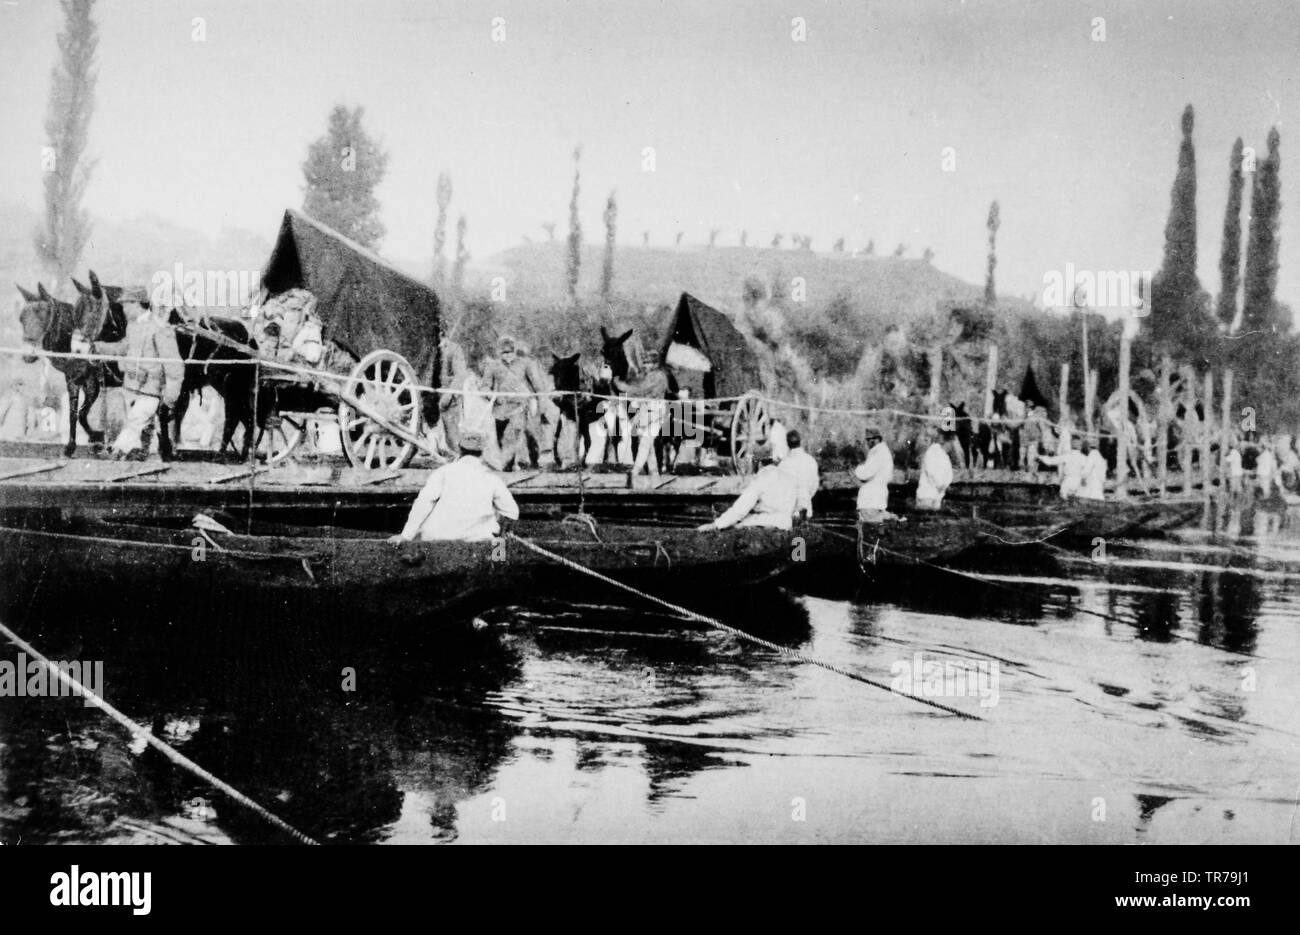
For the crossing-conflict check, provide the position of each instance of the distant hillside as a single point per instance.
(127, 250)
(883, 290)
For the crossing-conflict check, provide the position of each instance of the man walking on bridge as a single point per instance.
(152, 372)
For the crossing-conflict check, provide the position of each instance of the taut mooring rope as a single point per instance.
(160, 745)
(733, 631)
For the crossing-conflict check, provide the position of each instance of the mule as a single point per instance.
(204, 357)
(48, 324)
(624, 368)
(579, 409)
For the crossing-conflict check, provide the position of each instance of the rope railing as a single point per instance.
(326, 375)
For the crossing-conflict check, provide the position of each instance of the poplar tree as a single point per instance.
(607, 272)
(993, 223)
(1230, 252)
(62, 237)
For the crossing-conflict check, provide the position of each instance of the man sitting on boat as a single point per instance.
(1094, 475)
(463, 500)
(1072, 464)
(769, 499)
(875, 473)
(936, 474)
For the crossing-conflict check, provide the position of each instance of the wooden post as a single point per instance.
(1089, 399)
(990, 380)
(1064, 393)
(936, 375)
(1206, 472)
(1189, 413)
(1121, 460)
(1225, 437)
(1162, 427)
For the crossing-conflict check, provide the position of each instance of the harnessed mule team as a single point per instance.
(617, 414)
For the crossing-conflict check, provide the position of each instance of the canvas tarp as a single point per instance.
(364, 303)
(735, 365)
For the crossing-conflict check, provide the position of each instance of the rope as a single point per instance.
(1047, 599)
(551, 394)
(161, 746)
(733, 631)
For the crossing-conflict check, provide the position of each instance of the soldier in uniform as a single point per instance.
(152, 372)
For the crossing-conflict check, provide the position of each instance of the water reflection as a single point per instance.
(596, 723)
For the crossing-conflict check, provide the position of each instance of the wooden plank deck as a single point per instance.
(27, 482)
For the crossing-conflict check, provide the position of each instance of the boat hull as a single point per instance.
(334, 575)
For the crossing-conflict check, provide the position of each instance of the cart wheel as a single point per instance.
(281, 437)
(750, 424)
(381, 391)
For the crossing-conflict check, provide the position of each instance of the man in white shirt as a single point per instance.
(1236, 473)
(769, 499)
(936, 474)
(461, 500)
(1072, 466)
(875, 473)
(1265, 467)
(1094, 476)
(801, 467)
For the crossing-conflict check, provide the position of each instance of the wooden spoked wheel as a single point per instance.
(283, 434)
(750, 423)
(379, 412)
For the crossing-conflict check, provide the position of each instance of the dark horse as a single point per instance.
(624, 367)
(577, 406)
(48, 324)
(207, 364)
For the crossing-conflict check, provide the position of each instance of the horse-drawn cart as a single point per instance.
(711, 358)
(379, 331)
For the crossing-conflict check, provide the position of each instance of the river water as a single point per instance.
(1150, 699)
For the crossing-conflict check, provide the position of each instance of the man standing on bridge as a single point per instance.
(152, 372)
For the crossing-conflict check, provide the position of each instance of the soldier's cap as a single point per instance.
(137, 294)
(506, 343)
(762, 453)
(472, 441)
(872, 430)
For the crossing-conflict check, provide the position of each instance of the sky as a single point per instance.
(840, 134)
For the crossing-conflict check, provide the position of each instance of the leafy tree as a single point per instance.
(1230, 253)
(342, 170)
(67, 171)
(1181, 322)
(1260, 311)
